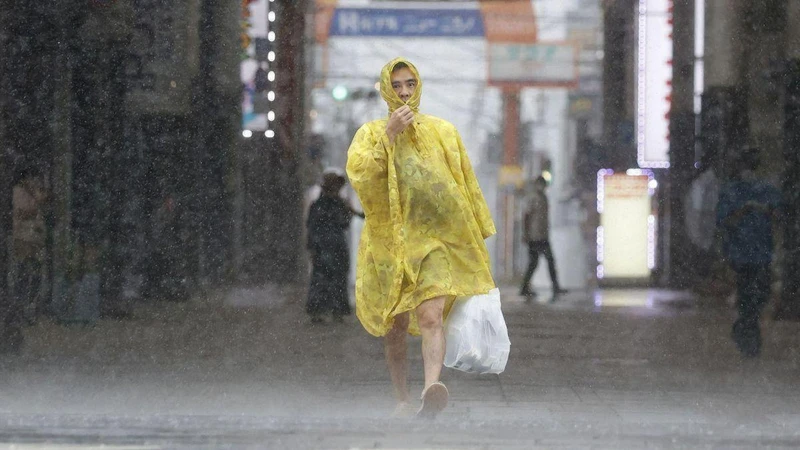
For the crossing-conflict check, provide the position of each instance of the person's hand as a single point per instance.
(400, 119)
(357, 213)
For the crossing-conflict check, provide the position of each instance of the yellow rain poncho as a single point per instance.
(426, 218)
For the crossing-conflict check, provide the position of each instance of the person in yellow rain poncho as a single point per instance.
(423, 240)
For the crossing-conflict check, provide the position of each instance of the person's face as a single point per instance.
(404, 83)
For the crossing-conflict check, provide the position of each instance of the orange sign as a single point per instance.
(626, 186)
(323, 10)
(509, 21)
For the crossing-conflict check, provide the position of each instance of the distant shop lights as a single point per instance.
(271, 17)
(261, 50)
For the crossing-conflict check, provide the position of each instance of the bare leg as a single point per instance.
(397, 357)
(429, 317)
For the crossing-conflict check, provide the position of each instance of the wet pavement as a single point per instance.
(245, 369)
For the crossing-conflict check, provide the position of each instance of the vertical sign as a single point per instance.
(653, 82)
(626, 236)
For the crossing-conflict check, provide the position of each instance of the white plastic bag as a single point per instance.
(476, 334)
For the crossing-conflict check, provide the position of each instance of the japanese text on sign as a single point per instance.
(626, 186)
(407, 22)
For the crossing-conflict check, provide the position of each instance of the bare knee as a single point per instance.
(429, 314)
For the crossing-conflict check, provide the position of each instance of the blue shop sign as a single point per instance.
(407, 22)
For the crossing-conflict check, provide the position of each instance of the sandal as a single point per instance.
(434, 400)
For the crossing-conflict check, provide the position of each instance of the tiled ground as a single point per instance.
(649, 369)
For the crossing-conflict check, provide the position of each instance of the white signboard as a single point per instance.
(653, 83)
(626, 235)
(541, 64)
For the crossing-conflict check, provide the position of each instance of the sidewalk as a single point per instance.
(606, 369)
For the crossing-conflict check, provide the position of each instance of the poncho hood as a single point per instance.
(388, 93)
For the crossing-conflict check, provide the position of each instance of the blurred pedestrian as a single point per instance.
(328, 221)
(746, 209)
(28, 243)
(536, 234)
(423, 241)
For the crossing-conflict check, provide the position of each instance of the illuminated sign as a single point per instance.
(653, 83)
(626, 237)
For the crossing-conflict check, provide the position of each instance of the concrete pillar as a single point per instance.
(269, 237)
(217, 125)
(619, 150)
(764, 46)
(682, 137)
(722, 51)
(761, 68)
(742, 70)
(287, 211)
(59, 212)
(788, 305)
(6, 305)
(724, 115)
(98, 173)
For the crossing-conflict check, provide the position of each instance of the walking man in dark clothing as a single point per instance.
(536, 233)
(745, 212)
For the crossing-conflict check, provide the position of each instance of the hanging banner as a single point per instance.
(497, 21)
(515, 58)
(400, 22)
